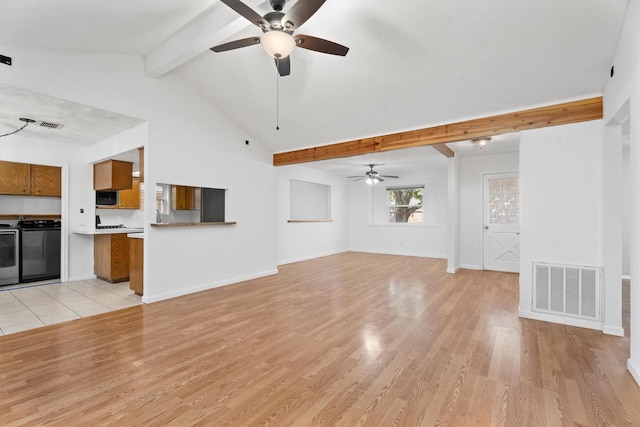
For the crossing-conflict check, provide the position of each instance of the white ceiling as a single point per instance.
(411, 64)
(81, 124)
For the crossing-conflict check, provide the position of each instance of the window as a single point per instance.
(162, 198)
(405, 204)
(504, 201)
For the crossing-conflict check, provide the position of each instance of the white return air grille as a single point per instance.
(567, 290)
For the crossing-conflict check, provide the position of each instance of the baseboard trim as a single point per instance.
(581, 323)
(453, 270)
(307, 258)
(613, 330)
(181, 292)
(634, 370)
(470, 267)
(419, 255)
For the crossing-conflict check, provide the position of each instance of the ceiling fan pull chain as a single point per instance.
(277, 94)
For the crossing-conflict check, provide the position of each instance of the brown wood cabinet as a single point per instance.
(14, 178)
(141, 162)
(46, 181)
(30, 180)
(112, 175)
(136, 261)
(184, 198)
(111, 257)
(130, 199)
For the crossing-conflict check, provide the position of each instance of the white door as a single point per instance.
(502, 222)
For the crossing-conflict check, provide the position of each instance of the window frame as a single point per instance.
(390, 206)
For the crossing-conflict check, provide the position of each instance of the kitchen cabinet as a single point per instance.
(136, 257)
(141, 162)
(111, 257)
(46, 181)
(14, 178)
(112, 175)
(130, 199)
(25, 179)
(184, 198)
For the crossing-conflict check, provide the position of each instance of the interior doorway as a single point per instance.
(501, 238)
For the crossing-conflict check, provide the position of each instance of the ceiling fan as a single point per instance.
(278, 27)
(372, 176)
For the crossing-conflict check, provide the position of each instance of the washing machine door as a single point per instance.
(8, 249)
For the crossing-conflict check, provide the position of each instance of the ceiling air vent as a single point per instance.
(51, 125)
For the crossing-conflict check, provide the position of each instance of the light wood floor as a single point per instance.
(352, 339)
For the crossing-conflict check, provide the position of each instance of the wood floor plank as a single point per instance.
(346, 340)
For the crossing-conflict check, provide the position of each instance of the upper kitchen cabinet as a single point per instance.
(141, 162)
(14, 178)
(112, 175)
(24, 179)
(130, 199)
(184, 198)
(46, 181)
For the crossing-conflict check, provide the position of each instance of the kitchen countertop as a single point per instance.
(136, 235)
(109, 231)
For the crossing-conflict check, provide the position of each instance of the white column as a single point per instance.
(633, 363)
(612, 231)
(453, 228)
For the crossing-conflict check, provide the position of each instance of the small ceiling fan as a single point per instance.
(278, 27)
(371, 176)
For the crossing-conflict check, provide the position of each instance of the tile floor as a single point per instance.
(33, 306)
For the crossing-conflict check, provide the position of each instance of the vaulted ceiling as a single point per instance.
(411, 64)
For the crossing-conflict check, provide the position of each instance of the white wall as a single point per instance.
(189, 142)
(623, 91)
(626, 212)
(561, 200)
(301, 241)
(29, 204)
(365, 235)
(472, 171)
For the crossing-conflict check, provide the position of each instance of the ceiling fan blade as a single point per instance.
(300, 12)
(359, 179)
(283, 65)
(388, 176)
(247, 13)
(356, 176)
(236, 44)
(320, 45)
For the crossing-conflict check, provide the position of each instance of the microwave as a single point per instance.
(106, 198)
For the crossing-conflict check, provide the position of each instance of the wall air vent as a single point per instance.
(567, 290)
(51, 125)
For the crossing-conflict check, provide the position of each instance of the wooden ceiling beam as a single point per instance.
(443, 149)
(551, 115)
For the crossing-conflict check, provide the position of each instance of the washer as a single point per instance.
(9, 255)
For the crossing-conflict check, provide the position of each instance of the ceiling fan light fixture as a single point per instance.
(373, 179)
(277, 44)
